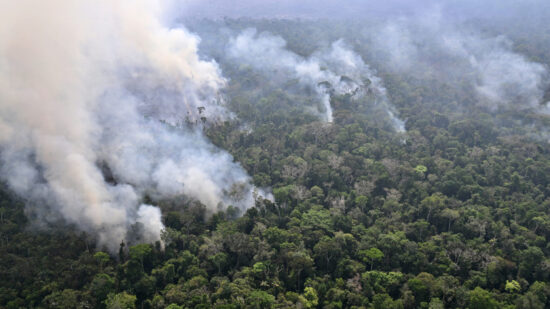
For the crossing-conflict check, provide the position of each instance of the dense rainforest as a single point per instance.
(453, 212)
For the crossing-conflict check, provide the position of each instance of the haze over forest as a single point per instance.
(274, 154)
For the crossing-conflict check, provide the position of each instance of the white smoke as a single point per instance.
(96, 88)
(337, 70)
(269, 53)
(507, 78)
(428, 45)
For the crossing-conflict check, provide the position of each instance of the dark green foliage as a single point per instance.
(452, 214)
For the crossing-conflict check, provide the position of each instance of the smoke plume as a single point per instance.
(333, 71)
(427, 46)
(95, 98)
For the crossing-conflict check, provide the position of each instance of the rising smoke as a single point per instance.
(333, 71)
(94, 97)
(426, 45)
(430, 39)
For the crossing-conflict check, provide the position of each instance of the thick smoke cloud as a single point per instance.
(335, 70)
(94, 97)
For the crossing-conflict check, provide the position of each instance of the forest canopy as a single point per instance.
(347, 161)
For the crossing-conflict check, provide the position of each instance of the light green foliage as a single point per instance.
(371, 256)
(121, 301)
(317, 192)
(512, 286)
(421, 170)
(102, 258)
(311, 298)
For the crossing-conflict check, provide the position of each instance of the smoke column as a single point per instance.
(93, 95)
(336, 70)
